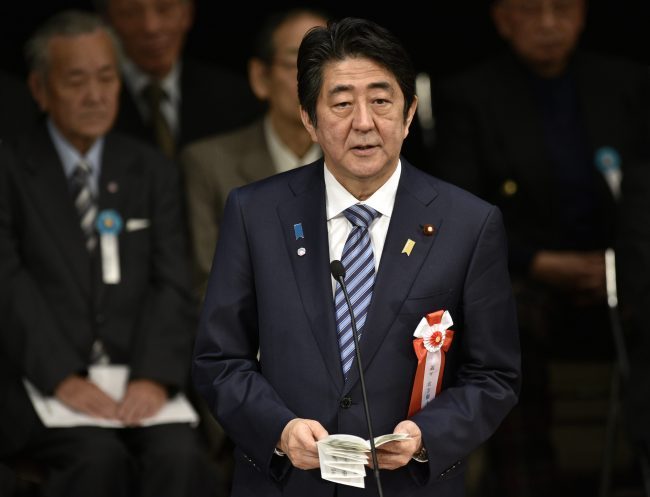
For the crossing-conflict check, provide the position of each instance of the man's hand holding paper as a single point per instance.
(298, 442)
(343, 457)
(397, 453)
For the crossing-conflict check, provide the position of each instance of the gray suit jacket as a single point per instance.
(212, 167)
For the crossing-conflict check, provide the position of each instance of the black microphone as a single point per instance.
(338, 272)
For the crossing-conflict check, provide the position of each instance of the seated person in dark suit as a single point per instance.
(94, 272)
(189, 100)
(545, 131)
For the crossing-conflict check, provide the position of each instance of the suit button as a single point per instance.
(346, 402)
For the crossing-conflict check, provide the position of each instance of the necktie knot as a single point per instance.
(80, 177)
(81, 171)
(360, 215)
(154, 94)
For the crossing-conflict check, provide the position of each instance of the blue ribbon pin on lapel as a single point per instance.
(297, 231)
(608, 162)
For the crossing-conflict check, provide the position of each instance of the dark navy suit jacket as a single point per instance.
(263, 295)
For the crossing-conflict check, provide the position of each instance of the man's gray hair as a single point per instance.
(66, 23)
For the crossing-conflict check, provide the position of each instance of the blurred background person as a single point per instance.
(274, 143)
(545, 132)
(72, 299)
(171, 100)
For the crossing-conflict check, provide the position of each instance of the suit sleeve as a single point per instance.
(226, 371)
(204, 210)
(488, 380)
(163, 340)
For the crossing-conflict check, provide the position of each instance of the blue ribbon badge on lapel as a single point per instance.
(109, 225)
(298, 233)
(608, 162)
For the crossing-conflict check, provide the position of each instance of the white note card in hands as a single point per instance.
(343, 458)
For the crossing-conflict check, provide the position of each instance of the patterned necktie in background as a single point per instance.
(359, 263)
(84, 202)
(154, 95)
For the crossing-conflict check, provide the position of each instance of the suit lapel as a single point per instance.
(311, 270)
(397, 270)
(51, 196)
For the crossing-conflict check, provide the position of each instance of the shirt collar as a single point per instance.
(282, 156)
(339, 199)
(70, 156)
(136, 80)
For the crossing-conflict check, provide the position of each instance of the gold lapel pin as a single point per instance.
(428, 229)
(408, 246)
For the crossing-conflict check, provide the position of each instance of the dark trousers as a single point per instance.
(157, 461)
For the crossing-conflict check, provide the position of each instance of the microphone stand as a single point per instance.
(620, 378)
(373, 450)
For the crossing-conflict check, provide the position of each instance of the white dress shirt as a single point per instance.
(70, 156)
(338, 227)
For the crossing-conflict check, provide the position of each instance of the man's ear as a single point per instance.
(258, 78)
(309, 126)
(410, 114)
(36, 83)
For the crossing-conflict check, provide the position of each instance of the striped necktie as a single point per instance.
(154, 95)
(359, 263)
(84, 202)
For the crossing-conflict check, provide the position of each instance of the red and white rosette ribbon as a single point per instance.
(433, 338)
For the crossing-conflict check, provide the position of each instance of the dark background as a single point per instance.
(442, 37)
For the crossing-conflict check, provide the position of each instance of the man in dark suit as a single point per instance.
(94, 272)
(545, 132)
(267, 358)
(194, 99)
